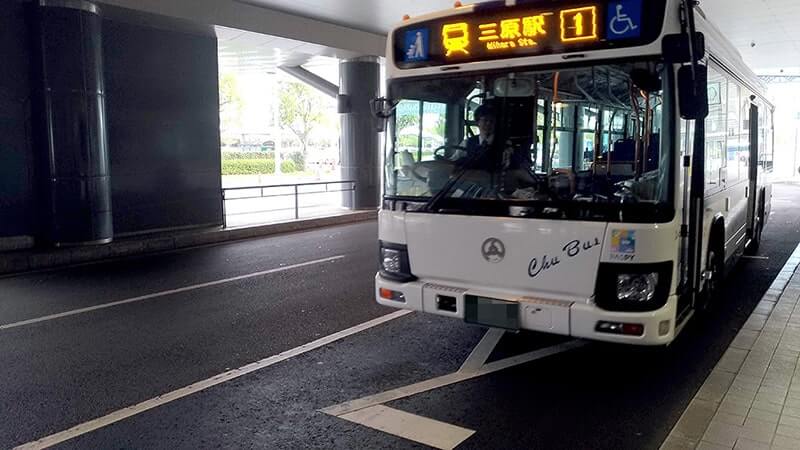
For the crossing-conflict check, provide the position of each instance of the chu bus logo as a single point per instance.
(493, 250)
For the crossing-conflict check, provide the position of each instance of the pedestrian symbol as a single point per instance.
(416, 44)
(624, 19)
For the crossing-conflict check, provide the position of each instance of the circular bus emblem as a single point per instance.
(493, 250)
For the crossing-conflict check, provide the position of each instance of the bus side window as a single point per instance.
(434, 123)
(588, 117)
(715, 129)
(407, 127)
(769, 148)
(735, 139)
(542, 127)
(420, 128)
(562, 145)
(743, 152)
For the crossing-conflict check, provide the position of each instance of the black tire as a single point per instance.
(715, 263)
(755, 240)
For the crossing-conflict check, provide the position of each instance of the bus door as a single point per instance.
(752, 187)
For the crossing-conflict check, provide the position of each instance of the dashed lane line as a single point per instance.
(130, 411)
(165, 293)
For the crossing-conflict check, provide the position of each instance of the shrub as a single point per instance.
(299, 160)
(248, 166)
(288, 166)
(247, 155)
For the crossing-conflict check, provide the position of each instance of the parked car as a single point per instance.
(268, 146)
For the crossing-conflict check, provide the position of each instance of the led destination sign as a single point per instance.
(530, 28)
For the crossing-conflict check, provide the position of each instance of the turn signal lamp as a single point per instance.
(628, 329)
(457, 4)
(388, 294)
(406, 17)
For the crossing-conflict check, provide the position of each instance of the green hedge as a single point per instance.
(256, 166)
(248, 166)
(288, 166)
(247, 155)
(299, 160)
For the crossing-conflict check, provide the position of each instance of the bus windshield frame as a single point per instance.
(616, 169)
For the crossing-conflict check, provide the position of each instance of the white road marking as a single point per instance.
(446, 380)
(525, 358)
(163, 293)
(482, 351)
(754, 257)
(416, 428)
(163, 399)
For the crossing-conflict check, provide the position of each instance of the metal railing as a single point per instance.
(283, 190)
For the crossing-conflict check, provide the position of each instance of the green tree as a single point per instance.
(230, 101)
(229, 97)
(441, 125)
(406, 121)
(301, 109)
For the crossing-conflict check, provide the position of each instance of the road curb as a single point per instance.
(741, 378)
(28, 260)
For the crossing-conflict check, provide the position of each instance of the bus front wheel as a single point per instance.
(758, 228)
(713, 279)
(755, 240)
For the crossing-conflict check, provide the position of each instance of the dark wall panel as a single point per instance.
(16, 156)
(162, 106)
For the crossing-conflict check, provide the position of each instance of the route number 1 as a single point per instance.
(578, 20)
(579, 24)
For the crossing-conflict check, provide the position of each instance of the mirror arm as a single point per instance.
(382, 107)
(688, 7)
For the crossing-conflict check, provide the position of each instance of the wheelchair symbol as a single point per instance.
(621, 23)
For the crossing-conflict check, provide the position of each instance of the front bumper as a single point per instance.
(553, 314)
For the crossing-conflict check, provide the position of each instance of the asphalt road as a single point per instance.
(62, 372)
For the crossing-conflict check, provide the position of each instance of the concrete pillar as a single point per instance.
(70, 123)
(359, 82)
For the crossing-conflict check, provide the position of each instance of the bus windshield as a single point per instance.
(590, 136)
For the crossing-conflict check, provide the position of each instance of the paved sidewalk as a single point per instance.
(751, 400)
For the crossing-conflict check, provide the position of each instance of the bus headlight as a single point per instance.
(633, 287)
(640, 287)
(393, 261)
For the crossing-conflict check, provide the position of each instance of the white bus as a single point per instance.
(615, 169)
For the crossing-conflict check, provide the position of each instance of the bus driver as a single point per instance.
(479, 153)
(477, 150)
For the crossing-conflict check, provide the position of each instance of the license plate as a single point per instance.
(491, 312)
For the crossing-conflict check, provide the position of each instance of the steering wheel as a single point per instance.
(443, 150)
(439, 156)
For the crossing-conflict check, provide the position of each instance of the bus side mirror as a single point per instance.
(382, 109)
(676, 48)
(693, 92)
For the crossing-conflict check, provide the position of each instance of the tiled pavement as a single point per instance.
(751, 400)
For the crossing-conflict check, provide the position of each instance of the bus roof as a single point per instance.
(402, 62)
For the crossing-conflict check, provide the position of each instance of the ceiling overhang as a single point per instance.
(330, 39)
